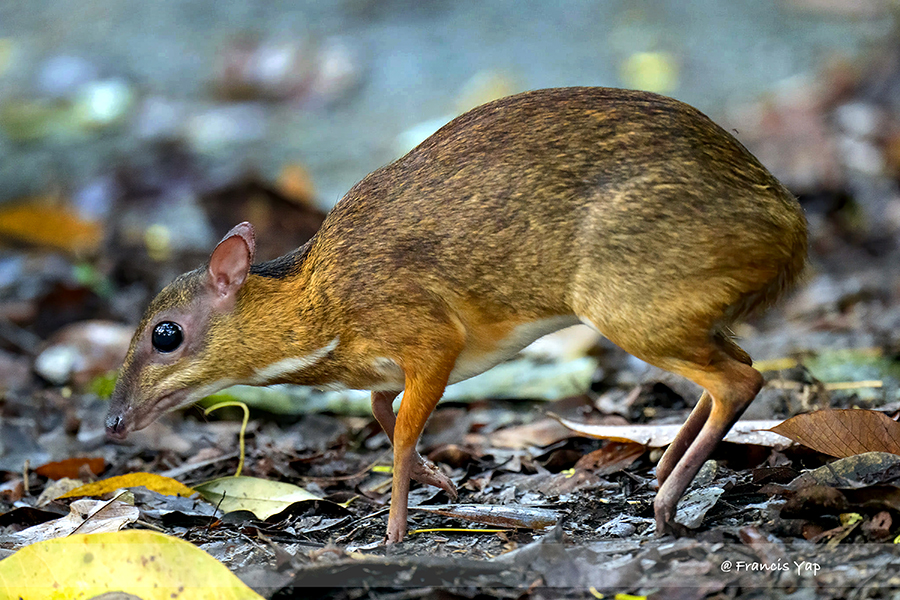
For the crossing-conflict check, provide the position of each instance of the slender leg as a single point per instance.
(423, 390)
(424, 471)
(383, 409)
(686, 435)
(732, 385)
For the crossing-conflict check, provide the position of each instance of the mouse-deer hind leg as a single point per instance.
(684, 437)
(731, 384)
(698, 417)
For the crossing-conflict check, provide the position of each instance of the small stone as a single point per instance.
(858, 119)
(160, 118)
(104, 102)
(56, 363)
(217, 128)
(861, 155)
(79, 352)
(337, 71)
(61, 76)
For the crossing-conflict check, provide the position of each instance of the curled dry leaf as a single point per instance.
(656, 436)
(843, 432)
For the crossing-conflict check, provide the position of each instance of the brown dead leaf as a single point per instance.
(12, 490)
(814, 501)
(843, 432)
(280, 221)
(454, 455)
(295, 183)
(611, 458)
(71, 467)
(540, 433)
(877, 497)
(878, 527)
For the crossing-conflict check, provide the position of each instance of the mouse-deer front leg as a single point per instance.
(424, 471)
(426, 378)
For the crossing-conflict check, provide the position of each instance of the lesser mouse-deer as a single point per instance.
(628, 211)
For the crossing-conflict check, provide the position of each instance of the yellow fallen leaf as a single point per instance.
(650, 71)
(775, 364)
(262, 497)
(146, 564)
(155, 483)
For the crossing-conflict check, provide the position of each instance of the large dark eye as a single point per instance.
(167, 336)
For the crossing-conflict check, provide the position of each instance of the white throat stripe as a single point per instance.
(287, 366)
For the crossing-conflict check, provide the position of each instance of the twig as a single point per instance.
(359, 473)
(187, 468)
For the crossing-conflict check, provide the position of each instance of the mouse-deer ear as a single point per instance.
(230, 263)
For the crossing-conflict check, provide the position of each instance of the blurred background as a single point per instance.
(134, 134)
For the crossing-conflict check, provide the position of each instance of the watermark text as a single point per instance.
(803, 567)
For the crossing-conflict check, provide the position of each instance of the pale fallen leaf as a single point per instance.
(262, 497)
(656, 436)
(149, 565)
(85, 516)
(692, 508)
(843, 432)
(57, 489)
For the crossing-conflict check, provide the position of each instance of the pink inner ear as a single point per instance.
(230, 264)
(245, 230)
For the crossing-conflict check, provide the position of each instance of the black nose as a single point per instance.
(116, 427)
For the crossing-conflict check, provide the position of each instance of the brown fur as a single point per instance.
(631, 211)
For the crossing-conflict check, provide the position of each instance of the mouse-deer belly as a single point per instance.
(488, 345)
